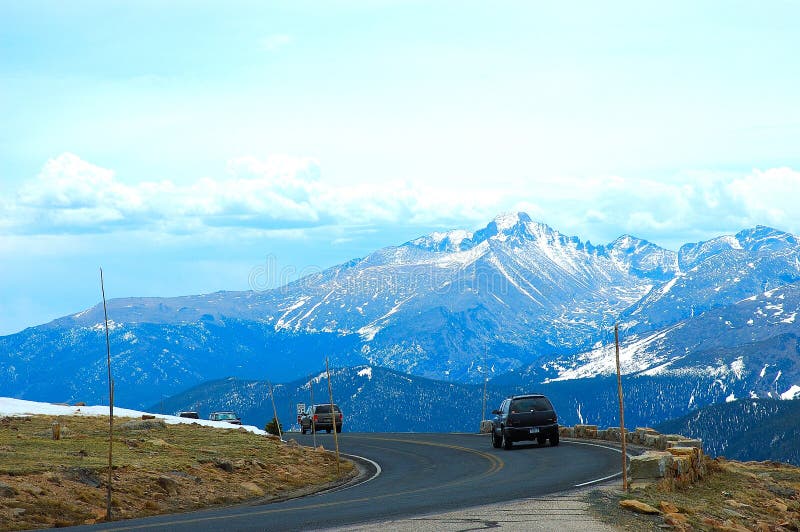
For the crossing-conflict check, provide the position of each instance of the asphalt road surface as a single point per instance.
(416, 474)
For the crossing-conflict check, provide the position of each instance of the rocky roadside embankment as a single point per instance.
(674, 484)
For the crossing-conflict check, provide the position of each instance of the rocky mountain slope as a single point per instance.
(515, 299)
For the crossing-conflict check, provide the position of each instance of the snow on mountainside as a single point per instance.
(719, 272)
(454, 305)
(753, 341)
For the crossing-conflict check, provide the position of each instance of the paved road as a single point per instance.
(419, 473)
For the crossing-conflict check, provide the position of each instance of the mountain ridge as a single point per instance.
(458, 306)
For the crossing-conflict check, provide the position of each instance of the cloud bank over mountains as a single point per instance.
(74, 196)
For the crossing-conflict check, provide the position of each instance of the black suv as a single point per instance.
(318, 417)
(524, 417)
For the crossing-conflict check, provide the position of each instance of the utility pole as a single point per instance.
(483, 407)
(110, 402)
(485, 380)
(313, 425)
(621, 414)
(333, 419)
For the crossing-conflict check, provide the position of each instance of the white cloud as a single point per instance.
(71, 195)
(688, 207)
(769, 196)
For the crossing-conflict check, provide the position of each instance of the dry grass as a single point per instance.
(763, 496)
(163, 469)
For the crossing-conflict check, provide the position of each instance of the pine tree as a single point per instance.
(273, 427)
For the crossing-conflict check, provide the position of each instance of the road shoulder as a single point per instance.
(568, 510)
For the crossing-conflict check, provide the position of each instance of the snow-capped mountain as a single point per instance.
(515, 295)
(719, 272)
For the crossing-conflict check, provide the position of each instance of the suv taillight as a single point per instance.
(316, 418)
(340, 416)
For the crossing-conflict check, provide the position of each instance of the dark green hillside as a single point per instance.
(748, 429)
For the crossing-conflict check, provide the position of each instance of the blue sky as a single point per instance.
(180, 144)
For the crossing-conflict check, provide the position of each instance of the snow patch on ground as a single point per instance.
(368, 332)
(20, 407)
(366, 372)
(82, 313)
(791, 393)
(281, 324)
(102, 326)
(731, 398)
(667, 287)
(732, 241)
(737, 366)
(638, 355)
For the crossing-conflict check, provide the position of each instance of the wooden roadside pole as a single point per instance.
(313, 425)
(110, 402)
(333, 419)
(621, 414)
(483, 405)
(275, 411)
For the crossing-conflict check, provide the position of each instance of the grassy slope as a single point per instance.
(168, 468)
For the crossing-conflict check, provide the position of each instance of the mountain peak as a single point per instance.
(509, 220)
(761, 235)
(758, 238)
(517, 224)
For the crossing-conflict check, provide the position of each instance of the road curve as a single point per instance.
(420, 473)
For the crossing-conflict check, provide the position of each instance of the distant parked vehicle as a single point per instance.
(318, 417)
(189, 414)
(227, 415)
(524, 417)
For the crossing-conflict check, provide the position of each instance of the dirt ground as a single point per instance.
(735, 496)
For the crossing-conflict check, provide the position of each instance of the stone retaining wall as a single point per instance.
(675, 460)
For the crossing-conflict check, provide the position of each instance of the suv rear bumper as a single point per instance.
(327, 426)
(531, 433)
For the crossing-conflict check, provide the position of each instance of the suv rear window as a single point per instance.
(531, 404)
(326, 409)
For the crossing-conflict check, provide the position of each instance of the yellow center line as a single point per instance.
(496, 464)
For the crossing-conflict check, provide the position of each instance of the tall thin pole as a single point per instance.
(275, 410)
(313, 425)
(483, 406)
(485, 380)
(621, 414)
(110, 402)
(333, 418)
